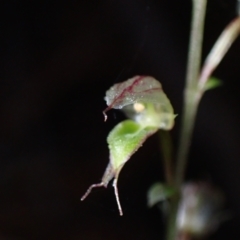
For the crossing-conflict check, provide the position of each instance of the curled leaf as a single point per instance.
(123, 141)
(143, 100)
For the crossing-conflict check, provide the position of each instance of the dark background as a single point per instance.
(57, 60)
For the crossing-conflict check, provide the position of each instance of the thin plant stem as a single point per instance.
(194, 89)
(191, 98)
(191, 101)
(189, 115)
(171, 221)
(219, 50)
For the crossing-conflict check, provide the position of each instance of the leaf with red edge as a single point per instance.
(143, 100)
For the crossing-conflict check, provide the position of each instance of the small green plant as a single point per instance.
(149, 110)
(144, 101)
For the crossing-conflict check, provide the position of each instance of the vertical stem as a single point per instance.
(171, 221)
(195, 43)
(190, 99)
(188, 120)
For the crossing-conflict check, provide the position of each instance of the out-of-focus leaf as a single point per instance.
(159, 192)
(212, 83)
(123, 141)
(143, 100)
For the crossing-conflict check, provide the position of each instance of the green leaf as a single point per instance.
(159, 192)
(123, 141)
(213, 83)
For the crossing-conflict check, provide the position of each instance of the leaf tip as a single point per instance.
(117, 196)
(101, 184)
(212, 83)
